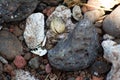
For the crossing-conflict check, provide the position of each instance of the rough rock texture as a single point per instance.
(10, 46)
(16, 10)
(23, 75)
(34, 33)
(78, 50)
(112, 54)
(111, 24)
(34, 63)
(60, 11)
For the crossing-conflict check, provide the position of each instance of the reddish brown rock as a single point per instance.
(19, 62)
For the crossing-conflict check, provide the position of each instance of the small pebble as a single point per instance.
(20, 62)
(27, 56)
(34, 63)
(48, 68)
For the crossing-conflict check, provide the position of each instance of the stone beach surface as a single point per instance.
(59, 40)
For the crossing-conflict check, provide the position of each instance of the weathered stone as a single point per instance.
(78, 50)
(16, 10)
(10, 46)
(112, 54)
(34, 33)
(111, 24)
(34, 63)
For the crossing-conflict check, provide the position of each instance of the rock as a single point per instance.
(10, 46)
(23, 75)
(78, 50)
(60, 11)
(51, 2)
(12, 10)
(112, 54)
(3, 60)
(76, 12)
(111, 23)
(40, 7)
(19, 62)
(34, 63)
(34, 33)
(48, 11)
(99, 68)
(97, 78)
(48, 68)
(8, 68)
(71, 78)
(27, 56)
(16, 30)
(107, 36)
(79, 78)
(1, 68)
(0, 27)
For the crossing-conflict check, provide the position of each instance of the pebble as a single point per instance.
(48, 68)
(52, 2)
(19, 61)
(16, 10)
(3, 60)
(0, 27)
(71, 78)
(34, 63)
(1, 68)
(60, 11)
(23, 75)
(76, 13)
(8, 68)
(78, 50)
(99, 68)
(107, 36)
(112, 54)
(10, 46)
(111, 23)
(48, 11)
(34, 33)
(27, 56)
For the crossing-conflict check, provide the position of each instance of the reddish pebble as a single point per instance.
(48, 10)
(97, 78)
(19, 62)
(79, 78)
(48, 68)
(8, 68)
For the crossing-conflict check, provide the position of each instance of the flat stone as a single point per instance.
(78, 50)
(10, 46)
(16, 10)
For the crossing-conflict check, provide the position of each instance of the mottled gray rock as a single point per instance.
(16, 10)
(34, 63)
(10, 46)
(99, 68)
(78, 50)
(112, 54)
(111, 24)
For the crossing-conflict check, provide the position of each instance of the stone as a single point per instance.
(34, 34)
(111, 23)
(10, 46)
(34, 63)
(60, 11)
(1, 68)
(19, 62)
(112, 54)
(76, 13)
(3, 60)
(107, 36)
(12, 10)
(27, 56)
(48, 68)
(51, 2)
(78, 50)
(8, 68)
(99, 68)
(23, 75)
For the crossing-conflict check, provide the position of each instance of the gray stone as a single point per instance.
(111, 24)
(16, 10)
(10, 46)
(78, 50)
(34, 63)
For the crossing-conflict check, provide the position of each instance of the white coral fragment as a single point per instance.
(112, 54)
(34, 33)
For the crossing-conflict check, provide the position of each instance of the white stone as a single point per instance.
(34, 32)
(76, 12)
(0, 27)
(112, 54)
(60, 11)
(107, 36)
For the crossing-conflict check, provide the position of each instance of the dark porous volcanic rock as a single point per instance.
(78, 50)
(111, 24)
(16, 10)
(10, 46)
